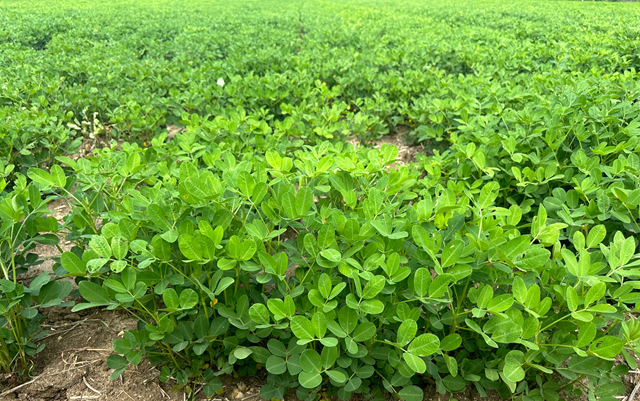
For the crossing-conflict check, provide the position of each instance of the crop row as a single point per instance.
(309, 70)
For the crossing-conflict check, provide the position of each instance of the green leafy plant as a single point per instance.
(23, 223)
(330, 270)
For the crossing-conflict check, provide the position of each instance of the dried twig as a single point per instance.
(164, 393)
(74, 325)
(250, 396)
(84, 397)
(84, 380)
(59, 333)
(633, 393)
(11, 390)
(198, 390)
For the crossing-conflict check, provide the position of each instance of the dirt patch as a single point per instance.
(173, 130)
(59, 209)
(73, 365)
(406, 153)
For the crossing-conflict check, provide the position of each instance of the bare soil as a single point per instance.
(406, 153)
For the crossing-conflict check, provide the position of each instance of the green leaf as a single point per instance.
(486, 295)
(415, 363)
(119, 247)
(324, 164)
(329, 356)
(115, 285)
(507, 332)
(451, 342)
(451, 253)
(329, 341)
(276, 306)
(603, 308)
(364, 332)
(336, 376)
(41, 177)
(324, 285)
(319, 323)
(516, 247)
(309, 380)
(586, 334)
(595, 293)
(118, 266)
(170, 298)
(29, 313)
(372, 306)
(316, 298)
(420, 236)
(116, 362)
(439, 285)
(583, 316)
(226, 264)
(452, 364)
(38, 282)
(71, 263)
(627, 250)
(274, 160)
(534, 259)
(288, 203)
(240, 250)
(93, 292)
(246, 183)
(101, 246)
(373, 287)
(223, 284)
(348, 319)
(610, 390)
(242, 353)
(513, 373)
(310, 361)
(57, 176)
(170, 236)
(411, 393)
(201, 326)
(277, 348)
(276, 365)
(519, 289)
(607, 346)
(596, 235)
(190, 248)
(572, 299)
(157, 216)
(500, 303)
(331, 254)
(454, 384)
(259, 314)
(421, 281)
(302, 327)
(326, 236)
(407, 331)
(304, 201)
(424, 345)
(188, 298)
